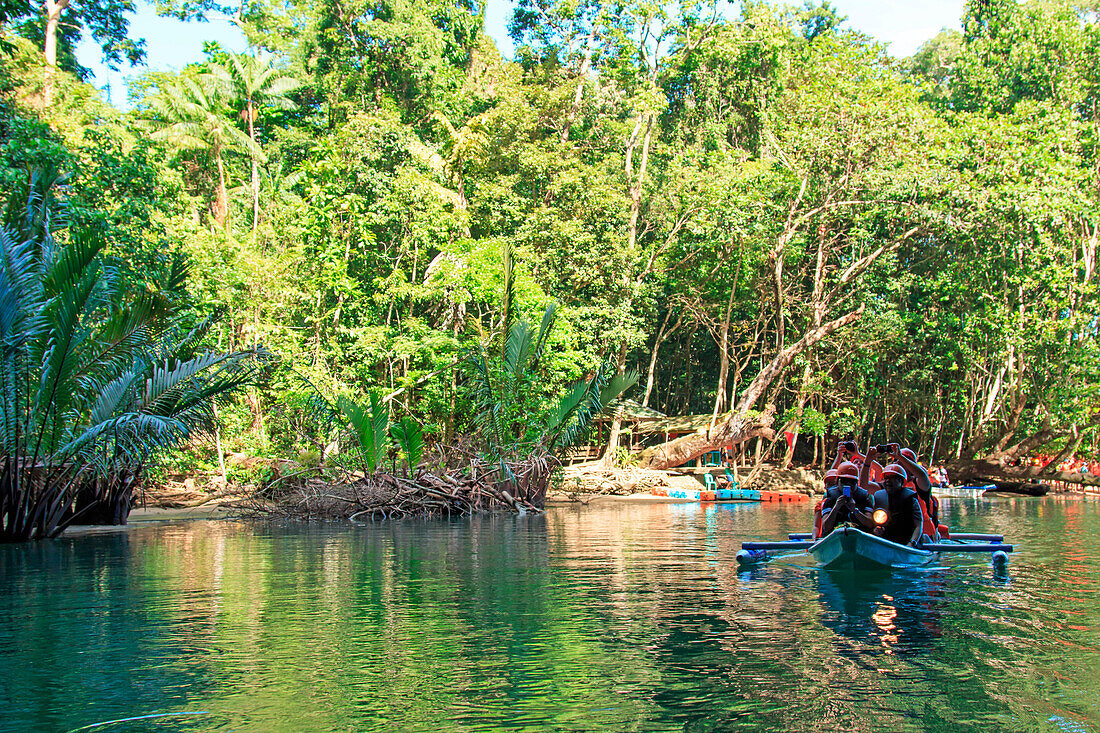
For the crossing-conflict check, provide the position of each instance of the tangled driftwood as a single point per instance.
(453, 491)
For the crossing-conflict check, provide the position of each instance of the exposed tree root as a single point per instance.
(475, 489)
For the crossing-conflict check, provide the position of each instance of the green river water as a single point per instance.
(624, 616)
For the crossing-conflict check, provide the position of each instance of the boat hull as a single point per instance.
(850, 548)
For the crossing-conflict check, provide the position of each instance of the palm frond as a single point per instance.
(575, 410)
(70, 266)
(369, 423)
(517, 346)
(409, 437)
(380, 418)
(549, 316)
(618, 384)
(507, 306)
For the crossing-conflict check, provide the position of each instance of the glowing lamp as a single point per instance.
(880, 516)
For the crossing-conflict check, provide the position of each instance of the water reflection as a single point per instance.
(898, 611)
(627, 616)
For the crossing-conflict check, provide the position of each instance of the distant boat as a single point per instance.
(971, 490)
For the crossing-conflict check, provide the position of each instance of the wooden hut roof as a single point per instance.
(631, 410)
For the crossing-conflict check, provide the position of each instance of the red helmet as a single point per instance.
(895, 470)
(908, 453)
(830, 476)
(847, 470)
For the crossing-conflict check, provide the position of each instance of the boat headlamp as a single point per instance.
(880, 516)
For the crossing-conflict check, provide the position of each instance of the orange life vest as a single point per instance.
(817, 518)
(926, 510)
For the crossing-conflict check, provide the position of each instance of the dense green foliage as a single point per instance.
(95, 383)
(695, 193)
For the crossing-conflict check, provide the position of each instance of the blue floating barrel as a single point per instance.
(748, 557)
(776, 545)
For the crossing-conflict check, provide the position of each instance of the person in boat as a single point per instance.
(934, 475)
(904, 517)
(847, 501)
(830, 482)
(848, 450)
(920, 482)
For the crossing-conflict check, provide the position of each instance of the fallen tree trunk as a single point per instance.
(980, 470)
(737, 426)
(732, 430)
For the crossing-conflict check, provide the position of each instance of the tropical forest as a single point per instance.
(372, 250)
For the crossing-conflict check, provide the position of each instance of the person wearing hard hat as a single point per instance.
(847, 501)
(830, 482)
(904, 520)
(848, 450)
(920, 482)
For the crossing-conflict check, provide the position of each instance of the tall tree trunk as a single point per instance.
(578, 95)
(777, 256)
(796, 422)
(720, 395)
(221, 203)
(251, 112)
(616, 424)
(54, 9)
(662, 336)
(818, 306)
(1013, 420)
(635, 182)
(1090, 239)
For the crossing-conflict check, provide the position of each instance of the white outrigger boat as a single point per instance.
(851, 548)
(848, 547)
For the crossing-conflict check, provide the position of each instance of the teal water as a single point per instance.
(615, 617)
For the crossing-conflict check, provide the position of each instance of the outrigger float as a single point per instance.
(851, 548)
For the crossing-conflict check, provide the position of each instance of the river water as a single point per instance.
(625, 616)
